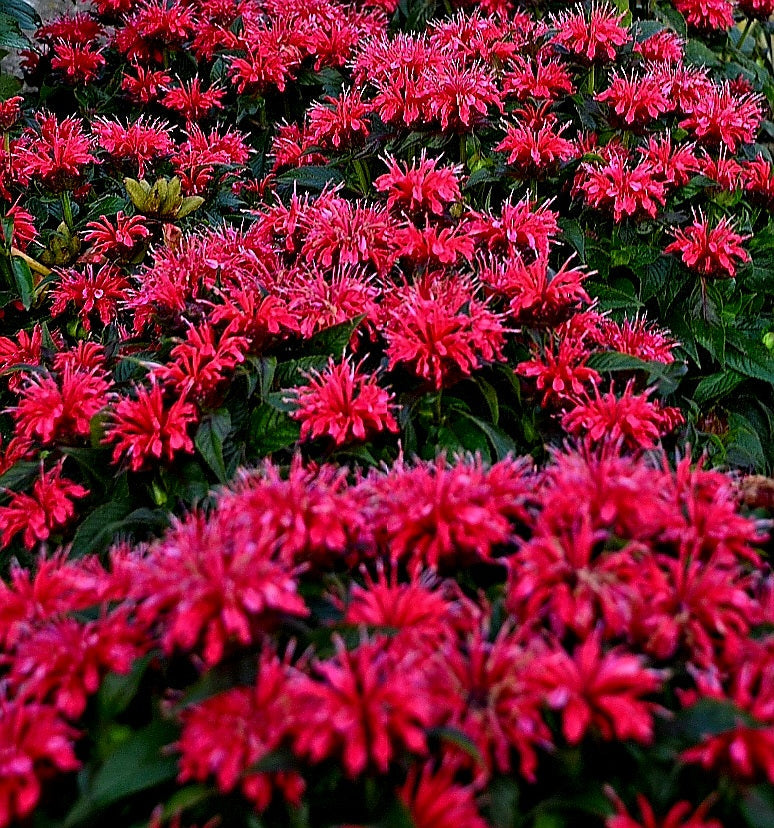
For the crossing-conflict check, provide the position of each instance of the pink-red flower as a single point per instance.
(711, 250)
(48, 509)
(422, 186)
(599, 690)
(593, 36)
(435, 800)
(146, 428)
(36, 742)
(344, 404)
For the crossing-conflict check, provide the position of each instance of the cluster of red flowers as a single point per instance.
(641, 565)
(333, 301)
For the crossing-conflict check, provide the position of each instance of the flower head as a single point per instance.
(710, 250)
(344, 404)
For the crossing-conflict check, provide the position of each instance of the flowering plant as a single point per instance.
(286, 290)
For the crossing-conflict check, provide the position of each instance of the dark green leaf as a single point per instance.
(117, 691)
(504, 802)
(136, 765)
(20, 475)
(758, 807)
(333, 341)
(758, 365)
(743, 444)
(502, 444)
(699, 54)
(572, 232)
(24, 283)
(294, 371)
(271, 430)
(210, 436)
(716, 386)
(310, 177)
(98, 528)
(707, 717)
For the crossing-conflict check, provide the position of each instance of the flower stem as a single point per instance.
(67, 209)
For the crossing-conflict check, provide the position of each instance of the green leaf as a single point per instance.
(99, 527)
(573, 234)
(697, 53)
(293, 372)
(138, 764)
(310, 177)
(453, 736)
(210, 436)
(24, 283)
(707, 717)
(334, 340)
(490, 395)
(666, 377)
(271, 430)
(758, 807)
(611, 298)
(281, 759)
(117, 691)
(20, 475)
(759, 364)
(504, 802)
(743, 444)
(716, 386)
(502, 444)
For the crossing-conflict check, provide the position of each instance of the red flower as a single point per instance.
(637, 101)
(25, 350)
(344, 404)
(47, 509)
(631, 418)
(540, 78)
(154, 27)
(227, 734)
(146, 428)
(562, 579)
(711, 251)
(434, 514)
(434, 800)
(485, 690)
(593, 36)
(366, 707)
(24, 230)
(213, 582)
(561, 374)
(191, 101)
(598, 690)
(423, 186)
(10, 112)
(679, 816)
(662, 47)
(60, 410)
(91, 291)
(35, 742)
(441, 330)
(637, 338)
(58, 155)
(719, 116)
(460, 96)
(536, 150)
(745, 753)
(520, 230)
(339, 122)
(707, 14)
(202, 364)
(759, 181)
(120, 239)
(539, 296)
(620, 188)
(147, 86)
(77, 62)
(140, 142)
(65, 661)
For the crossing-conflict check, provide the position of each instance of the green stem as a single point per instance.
(747, 26)
(67, 209)
(463, 149)
(362, 175)
(437, 409)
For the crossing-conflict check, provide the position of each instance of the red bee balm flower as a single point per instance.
(601, 690)
(49, 507)
(710, 251)
(343, 404)
(34, 740)
(145, 428)
(593, 37)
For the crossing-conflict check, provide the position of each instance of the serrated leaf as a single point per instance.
(20, 475)
(502, 444)
(758, 365)
(271, 430)
(95, 529)
(573, 234)
(293, 372)
(716, 386)
(699, 54)
(209, 439)
(333, 341)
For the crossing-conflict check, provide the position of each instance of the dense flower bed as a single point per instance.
(375, 252)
